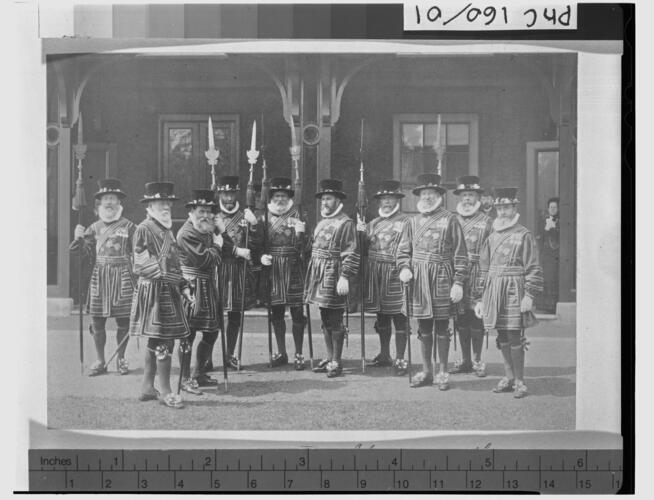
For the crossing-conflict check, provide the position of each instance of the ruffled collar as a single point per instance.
(229, 212)
(498, 225)
(336, 212)
(467, 212)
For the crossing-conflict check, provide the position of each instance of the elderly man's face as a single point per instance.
(202, 218)
(281, 198)
(506, 212)
(469, 198)
(108, 206)
(228, 199)
(430, 196)
(329, 203)
(388, 202)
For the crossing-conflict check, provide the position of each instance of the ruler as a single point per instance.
(325, 470)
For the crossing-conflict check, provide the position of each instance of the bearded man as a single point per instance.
(334, 263)
(510, 277)
(433, 253)
(157, 309)
(200, 248)
(284, 256)
(235, 257)
(383, 293)
(108, 242)
(476, 228)
(487, 207)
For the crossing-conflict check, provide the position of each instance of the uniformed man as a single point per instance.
(108, 241)
(383, 293)
(200, 248)
(284, 257)
(157, 308)
(487, 206)
(334, 264)
(509, 279)
(235, 258)
(476, 228)
(433, 254)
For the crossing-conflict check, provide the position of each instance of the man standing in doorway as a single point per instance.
(334, 264)
(509, 279)
(433, 253)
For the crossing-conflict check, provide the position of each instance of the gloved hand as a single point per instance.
(218, 240)
(526, 304)
(266, 259)
(218, 223)
(361, 225)
(343, 286)
(79, 232)
(406, 275)
(300, 226)
(189, 296)
(456, 293)
(243, 253)
(249, 216)
(479, 309)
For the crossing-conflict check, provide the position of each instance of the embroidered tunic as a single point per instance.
(112, 281)
(198, 258)
(334, 253)
(434, 248)
(382, 286)
(288, 250)
(508, 269)
(476, 229)
(157, 309)
(230, 272)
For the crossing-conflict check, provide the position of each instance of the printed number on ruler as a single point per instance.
(457, 15)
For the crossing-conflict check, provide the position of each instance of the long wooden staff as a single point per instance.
(362, 205)
(252, 154)
(264, 199)
(296, 152)
(407, 291)
(212, 155)
(79, 201)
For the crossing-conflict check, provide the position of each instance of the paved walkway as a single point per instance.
(260, 398)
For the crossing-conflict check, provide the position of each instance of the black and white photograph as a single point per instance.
(244, 232)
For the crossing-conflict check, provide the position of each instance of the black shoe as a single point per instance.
(232, 362)
(462, 367)
(322, 366)
(279, 359)
(380, 361)
(205, 380)
(208, 366)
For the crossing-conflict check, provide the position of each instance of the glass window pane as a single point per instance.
(181, 166)
(412, 135)
(458, 134)
(180, 143)
(547, 182)
(456, 164)
(431, 130)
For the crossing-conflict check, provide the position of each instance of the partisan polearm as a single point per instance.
(252, 154)
(263, 205)
(79, 202)
(296, 151)
(362, 206)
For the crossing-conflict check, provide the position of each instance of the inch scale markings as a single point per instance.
(377, 469)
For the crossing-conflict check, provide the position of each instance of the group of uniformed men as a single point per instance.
(483, 272)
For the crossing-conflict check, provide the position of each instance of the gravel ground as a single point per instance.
(260, 398)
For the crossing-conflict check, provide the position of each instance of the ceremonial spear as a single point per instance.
(362, 205)
(263, 205)
(79, 201)
(212, 155)
(252, 154)
(296, 150)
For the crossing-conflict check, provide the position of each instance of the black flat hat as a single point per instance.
(109, 186)
(505, 196)
(331, 186)
(281, 184)
(202, 197)
(157, 191)
(390, 187)
(227, 183)
(468, 183)
(428, 181)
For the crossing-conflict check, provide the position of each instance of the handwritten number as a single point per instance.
(533, 13)
(473, 14)
(417, 14)
(506, 17)
(549, 17)
(434, 14)
(488, 12)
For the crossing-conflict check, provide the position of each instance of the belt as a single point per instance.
(168, 279)
(473, 257)
(431, 257)
(381, 256)
(105, 259)
(506, 271)
(282, 251)
(321, 253)
(194, 272)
